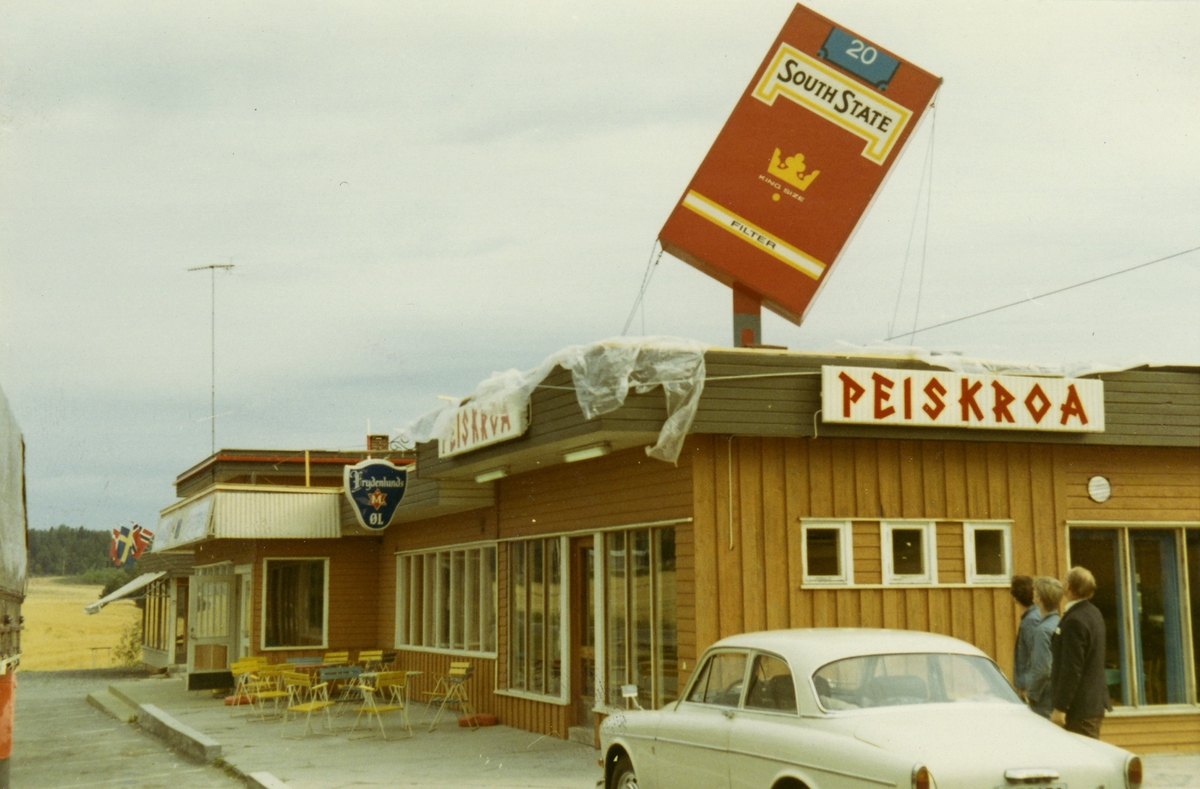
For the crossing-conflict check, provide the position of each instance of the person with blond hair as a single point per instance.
(1047, 592)
(1078, 687)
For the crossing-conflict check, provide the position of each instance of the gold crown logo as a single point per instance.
(792, 170)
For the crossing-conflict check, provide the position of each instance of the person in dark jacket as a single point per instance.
(1022, 592)
(1078, 688)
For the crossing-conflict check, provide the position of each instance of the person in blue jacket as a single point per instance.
(1047, 592)
(1022, 592)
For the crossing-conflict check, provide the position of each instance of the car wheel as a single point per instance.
(623, 776)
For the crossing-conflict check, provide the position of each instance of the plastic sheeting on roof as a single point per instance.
(128, 590)
(248, 515)
(958, 363)
(12, 501)
(602, 374)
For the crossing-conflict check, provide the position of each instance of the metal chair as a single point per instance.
(305, 698)
(386, 684)
(454, 694)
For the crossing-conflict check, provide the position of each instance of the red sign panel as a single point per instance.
(797, 163)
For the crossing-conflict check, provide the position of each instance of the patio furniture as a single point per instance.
(269, 687)
(342, 682)
(370, 658)
(372, 704)
(453, 694)
(336, 658)
(305, 698)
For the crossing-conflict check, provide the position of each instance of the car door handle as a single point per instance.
(728, 713)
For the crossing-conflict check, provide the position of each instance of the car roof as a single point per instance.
(808, 649)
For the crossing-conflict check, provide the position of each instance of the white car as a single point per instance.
(852, 709)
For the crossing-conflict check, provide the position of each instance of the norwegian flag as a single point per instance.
(128, 544)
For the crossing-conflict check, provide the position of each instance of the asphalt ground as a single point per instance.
(62, 742)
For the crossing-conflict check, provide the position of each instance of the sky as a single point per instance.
(414, 195)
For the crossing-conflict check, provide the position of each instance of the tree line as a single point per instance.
(64, 550)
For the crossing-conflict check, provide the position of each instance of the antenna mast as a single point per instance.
(213, 346)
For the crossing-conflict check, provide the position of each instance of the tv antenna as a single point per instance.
(213, 345)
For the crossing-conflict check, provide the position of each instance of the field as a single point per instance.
(58, 635)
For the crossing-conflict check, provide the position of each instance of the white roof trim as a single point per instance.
(128, 590)
(242, 513)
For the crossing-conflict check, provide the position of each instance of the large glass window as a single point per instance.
(156, 615)
(642, 636)
(535, 614)
(294, 614)
(447, 599)
(1141, 594)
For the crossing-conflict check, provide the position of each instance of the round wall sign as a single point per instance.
(1099, 490)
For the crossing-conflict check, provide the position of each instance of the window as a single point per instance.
(909, 552)
(771, 687)
(988, 552)
(156, 615)
(641, 641)
(827, 552)
(447, 600)
(720, 681)
(294, 602)
(535, 616)
(1140, 591)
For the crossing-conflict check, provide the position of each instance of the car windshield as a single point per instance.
(894, 680)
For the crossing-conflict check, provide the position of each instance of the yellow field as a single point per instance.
(58, 635)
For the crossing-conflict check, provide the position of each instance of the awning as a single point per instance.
(128, 590)
(246, 513)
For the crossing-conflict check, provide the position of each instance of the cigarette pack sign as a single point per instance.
(798, 162)
(933, 398)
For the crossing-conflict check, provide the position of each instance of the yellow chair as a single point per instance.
(305, 698)
(370, 658)
(245, 680)
(269, 687)
(453, 694)
(336, 658)
(371, 704)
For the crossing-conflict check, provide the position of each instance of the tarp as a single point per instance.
(603, 374)
(12, 501)
(128, 590)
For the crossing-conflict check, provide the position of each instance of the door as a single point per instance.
(693, 736)
(583, 631)
(212, 635)
(180, 633)
(1157, 635)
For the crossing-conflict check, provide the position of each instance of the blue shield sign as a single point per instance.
(375, 488)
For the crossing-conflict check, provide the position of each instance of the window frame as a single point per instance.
(970, 560)
(845, 527)
(262, 642)
(425, 614)
(929, 552)
(563, 697)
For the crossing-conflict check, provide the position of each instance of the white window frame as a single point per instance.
(563, 697)
(423, 622)
(973, 575)
(845, 552)
(929, 544)
(262, 640)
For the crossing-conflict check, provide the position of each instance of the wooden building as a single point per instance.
(565, 563)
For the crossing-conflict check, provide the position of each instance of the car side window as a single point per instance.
(720, 681)
(771, 686)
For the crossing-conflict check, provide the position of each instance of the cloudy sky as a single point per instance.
(413, 195)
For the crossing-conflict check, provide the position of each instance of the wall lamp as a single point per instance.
(587, 453)
(493, 474)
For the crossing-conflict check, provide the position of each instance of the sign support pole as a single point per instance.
(747, 318)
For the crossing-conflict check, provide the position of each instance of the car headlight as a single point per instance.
(920, 777)
(1133, 772)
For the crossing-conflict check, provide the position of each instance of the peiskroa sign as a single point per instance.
(374, 489)
(922, 398)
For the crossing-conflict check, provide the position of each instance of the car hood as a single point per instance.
(959, 740)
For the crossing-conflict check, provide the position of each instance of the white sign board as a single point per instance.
(474, 425)
(924, 398)
(183, 526)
